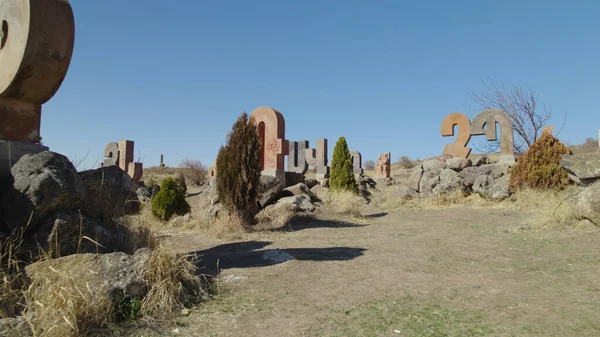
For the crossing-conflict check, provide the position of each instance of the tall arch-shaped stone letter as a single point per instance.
(356, 162)
(487, 119)
(274, 146)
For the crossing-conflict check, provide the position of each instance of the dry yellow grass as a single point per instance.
(345, 203)
(172, 283)
(61, 304)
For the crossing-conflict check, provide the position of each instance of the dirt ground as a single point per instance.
(451, 272)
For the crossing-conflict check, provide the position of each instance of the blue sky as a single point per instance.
(174, 76)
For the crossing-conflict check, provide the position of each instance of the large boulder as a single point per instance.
(415, 177)
(458, 164)
(582, 165)
(429, 181)
(298, 189)
(65, 234)
(367, 182)
(116, 275)
(405, 193)
(43, 184)
(433, 165)
(588, 203)
(495, 189)
(110, 193)
(270, 187)
(470, 174)
(297, 203)
(450, 181)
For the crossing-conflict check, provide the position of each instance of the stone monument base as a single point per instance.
(11, 152)
(279, 174)
(507, 159)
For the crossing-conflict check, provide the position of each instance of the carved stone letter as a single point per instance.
(297, 157)
(487, 119)
(356, 162)
(459, 148)
(271, 127)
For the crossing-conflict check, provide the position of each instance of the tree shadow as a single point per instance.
(376, 215)
(301, 223)
(250, 255)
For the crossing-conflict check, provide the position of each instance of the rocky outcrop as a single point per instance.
(583, 168)
(588, 203)
(449, 181)
(43, 184)
(298, 189)
(110, 193)
(296, 203)
(269, 189)
(117, 275)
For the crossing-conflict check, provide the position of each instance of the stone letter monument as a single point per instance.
(488, 119)
(36, 45)
(459, 148)
(383, 168)
(271, 127)
(356, 162)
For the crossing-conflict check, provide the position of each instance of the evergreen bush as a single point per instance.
(342, 176)
(169, 201)
(181, 183)
(539, 167)
(238, 170)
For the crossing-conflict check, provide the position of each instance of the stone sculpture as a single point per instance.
(459, 148)
(383, 169)
(36, 45)
(212, 172)
(271, 128)
(297, 157)
(121, 154)
(487, 119)
(162, 163)
(318, 159)
(356, 162)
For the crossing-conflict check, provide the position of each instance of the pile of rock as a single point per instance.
(438, 177)
(274, 197)
(50, 205)
(584, 170)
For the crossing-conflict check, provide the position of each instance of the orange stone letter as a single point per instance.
(459, 148)
(271, 127)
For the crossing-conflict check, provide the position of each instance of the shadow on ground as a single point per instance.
(250, 254)
(301, 223)
(376, 215)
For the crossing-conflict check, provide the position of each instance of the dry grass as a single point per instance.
(60, 304)
(554, 209)
(276, 219)
(345, 203)
(173, 283)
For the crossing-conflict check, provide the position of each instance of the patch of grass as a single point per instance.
(406, 317)
(554, 209)
(345, 203)
(172, 283)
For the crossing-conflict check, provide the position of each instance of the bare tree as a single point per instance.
(527, 113)
(195, 171)
(369, 165)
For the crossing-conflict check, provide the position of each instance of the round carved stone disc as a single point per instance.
(36, 45)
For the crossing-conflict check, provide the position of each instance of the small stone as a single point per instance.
(185, 312)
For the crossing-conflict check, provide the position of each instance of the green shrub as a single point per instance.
(169, 201)
(238, 170)
(181, 183)
(342, 177)
(539, 167)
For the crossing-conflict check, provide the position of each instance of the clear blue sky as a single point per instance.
(174, 76)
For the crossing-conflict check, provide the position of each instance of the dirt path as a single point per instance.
(453, 272)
